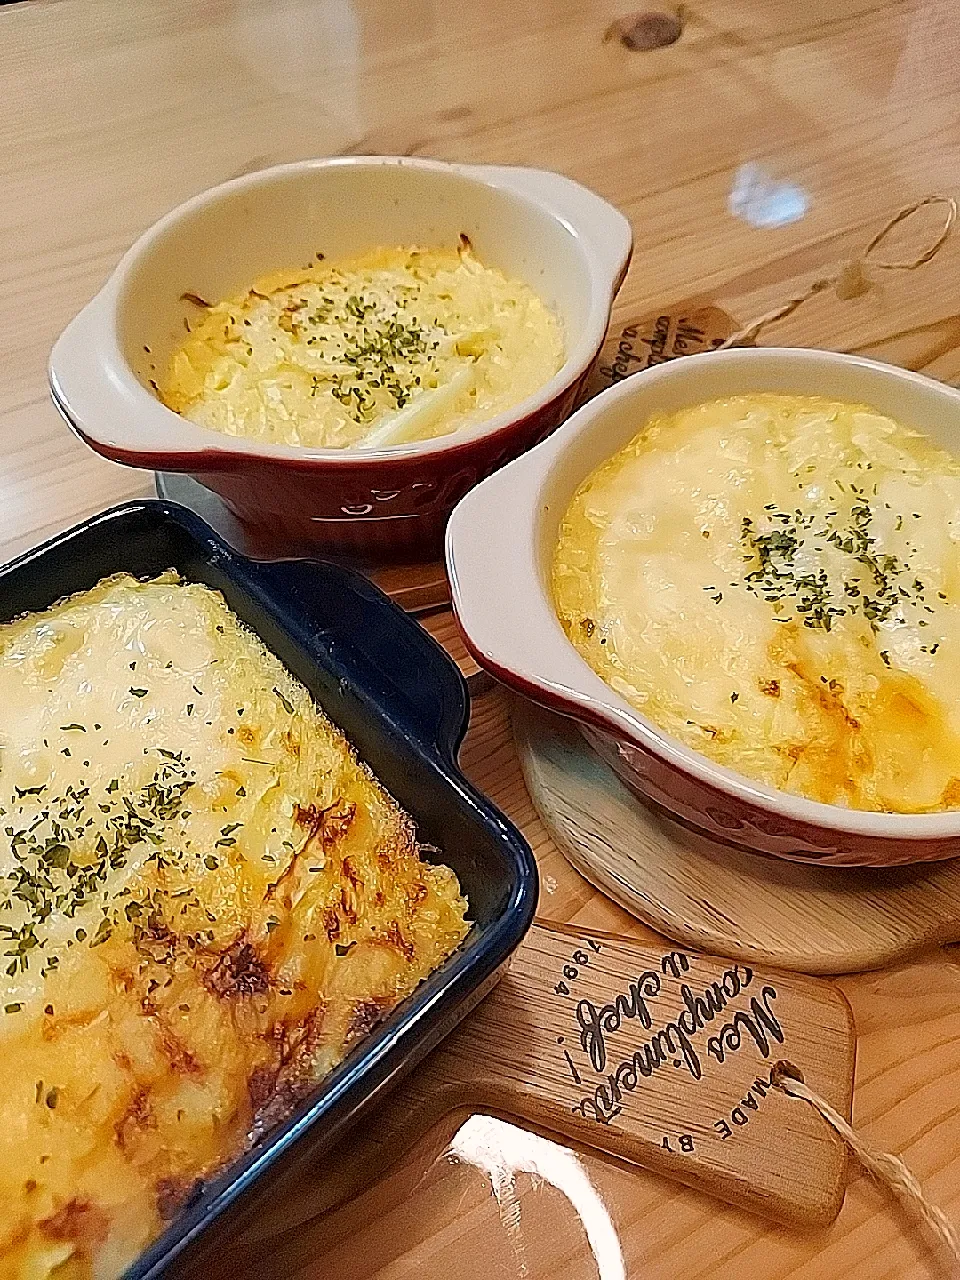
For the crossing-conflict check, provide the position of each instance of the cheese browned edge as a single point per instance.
(393, 346)
(774, 580)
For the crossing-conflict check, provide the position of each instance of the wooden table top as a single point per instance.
(761, 149)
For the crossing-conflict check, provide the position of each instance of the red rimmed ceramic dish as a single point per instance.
(570, 246)
(500, 543)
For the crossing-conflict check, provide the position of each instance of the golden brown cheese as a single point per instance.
(775, 581)
(392, 346)
(205, 900)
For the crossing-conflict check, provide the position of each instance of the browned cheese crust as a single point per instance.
(264, 907)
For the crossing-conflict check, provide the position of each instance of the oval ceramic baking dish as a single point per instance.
(570, 246)
(499, 547)
(403, 704)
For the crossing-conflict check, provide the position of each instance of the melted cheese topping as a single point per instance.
(394, 346)
(205, 900)
(775, 581)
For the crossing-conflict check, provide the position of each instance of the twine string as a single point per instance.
(889, 1170)
(910, 264)
(853, 277)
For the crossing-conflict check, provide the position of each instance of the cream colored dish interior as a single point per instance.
(564, 243)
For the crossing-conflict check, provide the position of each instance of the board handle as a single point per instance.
(657, 1057)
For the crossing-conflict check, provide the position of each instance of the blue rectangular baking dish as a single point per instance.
(404, 705)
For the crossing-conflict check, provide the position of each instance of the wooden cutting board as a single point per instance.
(657, 1057)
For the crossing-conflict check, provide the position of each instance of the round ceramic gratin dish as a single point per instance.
(570, 246)
(500, 543)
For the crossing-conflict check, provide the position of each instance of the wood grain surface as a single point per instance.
(762, 148)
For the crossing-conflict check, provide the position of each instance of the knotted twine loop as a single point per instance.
(887, 1169)
(853, 277)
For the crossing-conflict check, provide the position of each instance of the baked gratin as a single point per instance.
(393, 346)
(775, 581)
(205, 900)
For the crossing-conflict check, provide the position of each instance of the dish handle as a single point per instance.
(105, 405)
(602, 230)
(415, 682)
